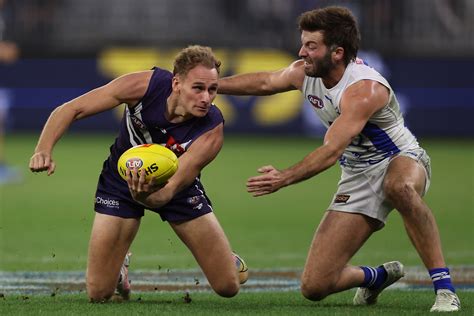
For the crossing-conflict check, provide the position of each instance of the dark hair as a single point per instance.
(338, 26)
(194, 55)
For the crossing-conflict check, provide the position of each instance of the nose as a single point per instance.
(206, 97)
(302, 52)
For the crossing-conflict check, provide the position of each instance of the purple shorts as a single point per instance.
(113, 198)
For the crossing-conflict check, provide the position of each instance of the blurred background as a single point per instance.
(62, 48)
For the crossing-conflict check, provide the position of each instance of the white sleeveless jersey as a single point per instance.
(385, 133)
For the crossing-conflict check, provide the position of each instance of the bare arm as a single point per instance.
(202, 152)
(264, 83)
(126, 89)
(359, 102)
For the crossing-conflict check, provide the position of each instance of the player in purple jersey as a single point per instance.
(382, 165)
(173, 109)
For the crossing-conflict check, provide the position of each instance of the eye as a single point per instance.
(198, 88)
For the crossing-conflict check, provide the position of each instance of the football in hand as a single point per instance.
(156, 161)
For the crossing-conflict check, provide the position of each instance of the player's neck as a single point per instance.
(174, 112)
(334, 76)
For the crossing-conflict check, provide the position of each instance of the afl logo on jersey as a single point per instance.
(137, 122)
(315, 101)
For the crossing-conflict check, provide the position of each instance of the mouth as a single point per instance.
(202, 108)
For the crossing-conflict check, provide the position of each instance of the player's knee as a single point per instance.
(98, 294)
(398, 190)
(314, 291)
(227, 289)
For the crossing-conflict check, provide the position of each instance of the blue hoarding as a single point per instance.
(436, 95)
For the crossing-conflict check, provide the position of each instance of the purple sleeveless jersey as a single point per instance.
(145, 124)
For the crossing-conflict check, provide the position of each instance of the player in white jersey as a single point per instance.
(383, 167)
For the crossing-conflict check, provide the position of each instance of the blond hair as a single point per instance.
(192, 56)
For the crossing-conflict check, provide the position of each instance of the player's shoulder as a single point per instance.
(359, 67)
(160, 75)
(296, 74)
(160, 72)
(159, 83)
(215, 114)
(130, 87)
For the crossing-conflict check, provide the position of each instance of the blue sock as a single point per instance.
(441, 279)
(373, 277)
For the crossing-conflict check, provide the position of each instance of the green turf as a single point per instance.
(282, 303)
(45, 221)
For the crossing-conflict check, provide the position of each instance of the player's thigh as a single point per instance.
(338, 237)
(208, 243)
(110, 240)
(403, 172)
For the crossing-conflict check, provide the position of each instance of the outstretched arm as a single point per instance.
(359, 102)
(264, 83)
(199, 154)
(128, 89)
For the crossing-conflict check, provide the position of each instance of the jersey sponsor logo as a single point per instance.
(107, 202)
(315, 101)
(341, 198)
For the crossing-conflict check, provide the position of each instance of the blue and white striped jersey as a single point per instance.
(384, 135)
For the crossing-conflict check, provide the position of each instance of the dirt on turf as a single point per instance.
(188, 281)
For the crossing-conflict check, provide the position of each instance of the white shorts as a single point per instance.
(362, 191)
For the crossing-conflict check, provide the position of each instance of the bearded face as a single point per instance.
(319, 67)
(316, 55)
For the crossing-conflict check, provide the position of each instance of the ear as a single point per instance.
(338, 54)
(175, 83)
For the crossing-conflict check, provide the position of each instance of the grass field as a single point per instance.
(281, 303)
(45, 224)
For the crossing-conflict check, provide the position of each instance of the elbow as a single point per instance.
(333, 154)
(265, 89)
(67, 110)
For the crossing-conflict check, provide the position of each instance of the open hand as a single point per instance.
(270, 181)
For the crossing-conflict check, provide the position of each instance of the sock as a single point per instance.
(441, 279)
(373, 277)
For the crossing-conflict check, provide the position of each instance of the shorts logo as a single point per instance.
(107, 202)
(194, 200)
(134, 163)
(198, 207)
(341, 198)
(315, 101)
